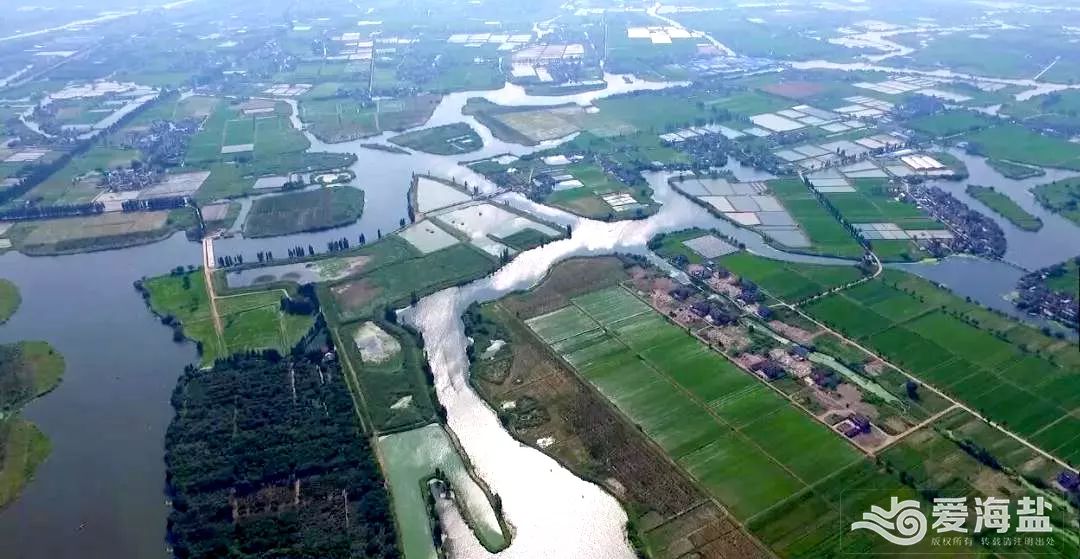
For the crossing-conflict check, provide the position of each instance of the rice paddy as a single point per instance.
(981, 359)
(738, 439)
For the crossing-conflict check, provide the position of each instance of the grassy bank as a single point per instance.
(1061, 196)
(9, 300)
(299, 212)
(27, 370)
(448, 139)
(1005, 206)
(1014, 171)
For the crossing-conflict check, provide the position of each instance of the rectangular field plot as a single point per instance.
(985, 361)
(559, 325)
(789, 283)
(611, 305)
(741, 440)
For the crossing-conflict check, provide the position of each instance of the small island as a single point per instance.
(28, 370)
(449, 139)
(9, 299)
(1014, 171)
(1005, 206)
(301, 212)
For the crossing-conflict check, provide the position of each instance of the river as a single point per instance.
(100, 492)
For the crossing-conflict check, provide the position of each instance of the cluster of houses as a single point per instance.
(1034, 297)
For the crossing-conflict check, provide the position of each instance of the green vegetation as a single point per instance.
(1015, 171)
(448, 139)
(340, 119)
(1016, 143)
(1061, 196)
(1005, 206)
(298, 212)
(400, 274)
(1068, 281)
(249, 321)
(789, 282)
(396, 390)
(265, 458)
(827, 235)
(950, 123)
(735, 437)
(106, 231)
(27, 370)
(9, 299)
(873, 202)
(979, 357)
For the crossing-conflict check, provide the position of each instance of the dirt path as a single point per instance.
(208, 277)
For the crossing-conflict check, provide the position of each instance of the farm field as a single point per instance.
(412, 459)
(950, 123)
(1061, 196)
(229, 133)
(872, 203)
(97, 232)
(448, 139)
(827, 236)
(670, 514)
(310, 210)
(588, 200)
(1016, 143)
(77, 181)
(789, 283)
(955, 346)
(250, 321)
(647, 367)
(1005, 206)
(335, 120)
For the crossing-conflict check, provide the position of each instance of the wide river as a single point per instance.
(100, 492)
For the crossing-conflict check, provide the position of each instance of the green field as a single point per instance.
(298, 212)
(1069, 280)
(448, 139)
(586, 200)
(978, 357)
(1014, 171)
(1016, 143)
(27, 370)
(396, 394)
(1061, 196)
(334, 119)
(394, 282)
(827, 236)
(250, 321)
(789, 283)
(23, 447)
(950, 123)
(739, 440)
(1005, 206)
(9, 300)
(873, 203)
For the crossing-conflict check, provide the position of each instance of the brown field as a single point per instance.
(544, 124)
(568, 279)
(794, 90)
(355, 294)
(112, 224)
